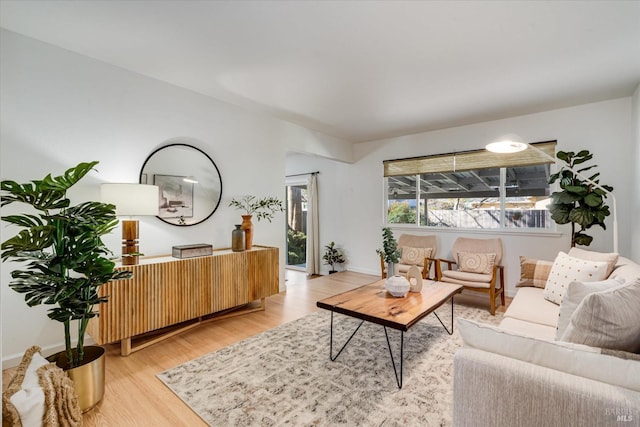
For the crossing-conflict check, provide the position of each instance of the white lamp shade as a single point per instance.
(132, 199)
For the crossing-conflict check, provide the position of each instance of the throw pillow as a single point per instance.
(476, 262)
(414, 256)
(608, 319)
(568, 269)
(533, 272)
(576, 292)
(610, 258)
(576, 359)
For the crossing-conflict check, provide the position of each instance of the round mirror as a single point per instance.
(189, 181)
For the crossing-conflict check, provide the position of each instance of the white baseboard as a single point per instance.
(14, 359)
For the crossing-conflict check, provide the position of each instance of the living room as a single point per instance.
(60, 107)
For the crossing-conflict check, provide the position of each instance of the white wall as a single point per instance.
(635, 195)
(59, 108)
(604, 128)
(332, 200)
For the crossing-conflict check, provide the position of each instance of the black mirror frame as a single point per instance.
(204, 154)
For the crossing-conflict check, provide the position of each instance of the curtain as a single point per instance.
(313, 234)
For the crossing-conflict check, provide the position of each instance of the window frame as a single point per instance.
(529, 159)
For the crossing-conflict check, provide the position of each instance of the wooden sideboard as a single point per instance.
(166, 291)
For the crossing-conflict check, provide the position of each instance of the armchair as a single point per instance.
(479, 267)
(415, 250)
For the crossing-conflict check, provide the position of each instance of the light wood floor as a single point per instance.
(135, 397)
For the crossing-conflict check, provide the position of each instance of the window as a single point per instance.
(474, 189)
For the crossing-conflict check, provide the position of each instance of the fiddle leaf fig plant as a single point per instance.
(580, 203)
(65, 259)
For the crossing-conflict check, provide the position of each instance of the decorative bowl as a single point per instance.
(397, 286)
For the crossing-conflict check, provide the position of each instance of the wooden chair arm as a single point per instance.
(428, 263)
(438, 264)
(383, 274)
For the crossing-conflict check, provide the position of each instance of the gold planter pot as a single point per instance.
(88, 378)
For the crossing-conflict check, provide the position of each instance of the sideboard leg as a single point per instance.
(125, 347)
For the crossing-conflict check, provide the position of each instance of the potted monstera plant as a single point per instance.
(65, 262)
(580, 202)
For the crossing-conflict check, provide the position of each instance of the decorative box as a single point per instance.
(190, 251)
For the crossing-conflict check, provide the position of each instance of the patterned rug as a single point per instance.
(284, 376)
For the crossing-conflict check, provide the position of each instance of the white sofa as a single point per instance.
(518, 374)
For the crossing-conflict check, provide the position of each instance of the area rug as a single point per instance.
(284, 376)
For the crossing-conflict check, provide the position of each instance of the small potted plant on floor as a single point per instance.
(65, 262)
(333, 256)
(264, 208)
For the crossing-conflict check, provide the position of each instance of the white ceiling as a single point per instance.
(359, 70)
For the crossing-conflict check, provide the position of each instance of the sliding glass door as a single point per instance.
(297, 224)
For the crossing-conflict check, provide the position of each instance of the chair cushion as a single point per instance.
(533, 272)
(475, 262)
(608, 319)
(567, 269)
(574, 295)
(467, 279)
(414, 256)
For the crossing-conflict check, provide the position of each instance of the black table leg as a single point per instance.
(450, 332)
(331, 356)
(393, 362)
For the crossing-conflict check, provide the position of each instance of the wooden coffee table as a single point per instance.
(374, 304)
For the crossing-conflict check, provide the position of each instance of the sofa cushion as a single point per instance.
(530, 329)
(626, 269)
(567, 269)
(533, 272)
(529, 305)
(478, 263)
(610, 258)
(574, 295)
(414, 256)
(609, 319)
(567, 357)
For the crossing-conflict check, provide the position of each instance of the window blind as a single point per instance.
(469, 160)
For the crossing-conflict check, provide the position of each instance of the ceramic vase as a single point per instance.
(391, 269)
(247, 226)
(397, 286)
(238, 239)
(414, 276)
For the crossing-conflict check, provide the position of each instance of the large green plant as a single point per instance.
(61, 246)
(580, 202)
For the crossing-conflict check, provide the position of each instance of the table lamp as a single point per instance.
(131, 200)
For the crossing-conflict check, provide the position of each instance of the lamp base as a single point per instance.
(130, 248)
